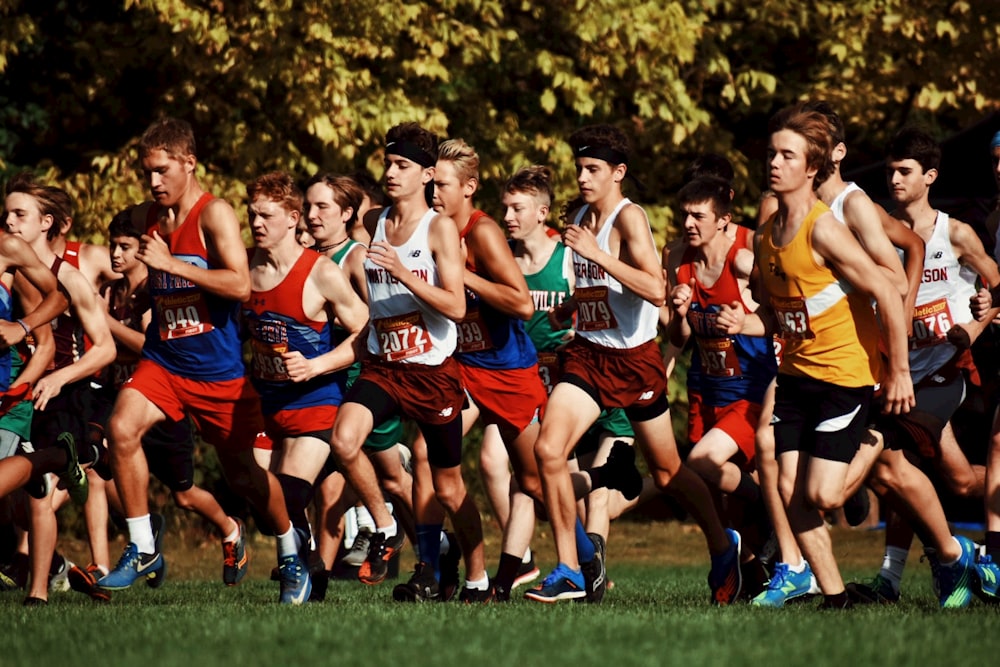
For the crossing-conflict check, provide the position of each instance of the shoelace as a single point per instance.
(781, 572)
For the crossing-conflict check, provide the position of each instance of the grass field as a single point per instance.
(657, 614)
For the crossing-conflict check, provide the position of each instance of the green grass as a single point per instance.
(654, 616)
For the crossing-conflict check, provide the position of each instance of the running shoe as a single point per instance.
(59, 573)
(84, 580)
(527, 573)
(829, 605)
(235, 559)
(476, 595)
(725, 578)
(561, 584)
(422, 587)
(953, 583)
(376, 566)
(595, 574)
(359, 550)
(131, 566)
(620, 472)
(987, 576)
(35, 602)
(296, 586)
(73, 477)
(877, 591)
(448, 568)
(786, 585)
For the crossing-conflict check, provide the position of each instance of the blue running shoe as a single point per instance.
(131, 566)
(725, 578)
(296, 586)
(953, 583)
(987, 576)
(786, 585)
(562, 584)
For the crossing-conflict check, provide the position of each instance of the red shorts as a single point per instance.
(315, 421)
(629, 378)
(226, 414)
(738, 420)
(511, 399)
(426, 394)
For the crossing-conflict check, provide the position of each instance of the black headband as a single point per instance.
(411, 151)
(609, 155)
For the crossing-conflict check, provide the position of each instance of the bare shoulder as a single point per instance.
(743, 262)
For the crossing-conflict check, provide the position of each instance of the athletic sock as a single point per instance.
(298, 494)
(429, 546)
(233, 536)
(747, 489)
(527, 556)
(952, 562)
(480, 585)
(445, 543)
(388, 531)
(507, 571)
(364, 518)
(584, 547)
(798, 569)
(892, 566)
(993, 545)
(288, 543)
(140, 533)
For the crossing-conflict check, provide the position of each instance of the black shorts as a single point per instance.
(823, 420)
(919, 430)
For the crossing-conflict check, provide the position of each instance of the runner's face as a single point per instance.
(786, 154)
(907, 180)
(326, 220)
(596, 178)
(24, 217)
(523, 214)
(405, 179)
(168, 176)
(271, 223)
(123, 250)
(701, 225)
(449, 190)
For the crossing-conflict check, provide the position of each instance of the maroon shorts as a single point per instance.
(425, 394)
(632, 378)
(511, 399)
(226, 414)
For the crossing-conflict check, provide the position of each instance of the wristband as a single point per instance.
(24, 325)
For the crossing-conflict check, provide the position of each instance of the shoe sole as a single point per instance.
(526, 578)
(84, 582)
(575, 595)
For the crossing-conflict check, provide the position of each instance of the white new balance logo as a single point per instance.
(446, 412)
(646, 395)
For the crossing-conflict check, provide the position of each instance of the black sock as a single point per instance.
(507, 571)
(298, 493)
(993, 545)
(747, 489)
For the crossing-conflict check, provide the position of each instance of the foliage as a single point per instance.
(315, 84)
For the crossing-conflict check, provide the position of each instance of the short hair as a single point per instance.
(346, 192)
(710, 164)
(464, 157)
(535, 180)
(172, 135)
(413, 133)
(601, 136)
(916, 144)
(711, 189)
(277, 186)
(371, 188)
(122, 224)
(50, 200)
(815, 129)
(836, 125)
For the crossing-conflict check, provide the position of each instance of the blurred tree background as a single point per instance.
(314, 84)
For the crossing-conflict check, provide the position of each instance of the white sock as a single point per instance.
(288, 542)
(527, 556)
(952, 562)
(798, 569)
(140, 533)
(233, 536)
(389, 531)
(364, 518)
(892, 566)
(480, 585)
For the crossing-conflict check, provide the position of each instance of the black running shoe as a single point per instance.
(448, 565)
(422, 587)
(381, 550)
(476, 596)
(595, 574)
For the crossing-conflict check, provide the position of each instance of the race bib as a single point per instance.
(402, 337)
(931, 323)
(593, 310)
(779, 348)
(182, 315)
(267, 363)
(548, 369)
(472, 333)
(718, 357)
(793, 318)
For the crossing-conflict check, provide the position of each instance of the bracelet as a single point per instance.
(24, 325)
